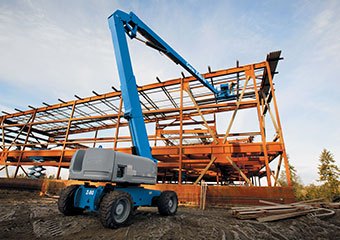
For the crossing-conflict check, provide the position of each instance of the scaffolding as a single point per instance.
(182, 119)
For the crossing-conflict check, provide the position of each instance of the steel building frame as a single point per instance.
(185, 139)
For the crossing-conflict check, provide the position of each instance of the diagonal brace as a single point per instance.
(205, 170)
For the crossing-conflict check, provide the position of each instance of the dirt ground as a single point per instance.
(25, 215)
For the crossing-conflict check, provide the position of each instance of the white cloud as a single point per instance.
(39, 55)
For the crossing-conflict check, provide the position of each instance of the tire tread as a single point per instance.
(105, 210)
(162, 203)
(66, 201)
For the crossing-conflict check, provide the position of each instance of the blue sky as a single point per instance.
(55, 49)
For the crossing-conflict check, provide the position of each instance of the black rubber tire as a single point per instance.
(167, 203)
(66, 201)
(111, 205)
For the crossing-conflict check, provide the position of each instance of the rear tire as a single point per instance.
(66, 201)
(115, 209)
(167, 203)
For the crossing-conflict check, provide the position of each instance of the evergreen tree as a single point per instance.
(293, 175)
(329, 173)
(296, 182)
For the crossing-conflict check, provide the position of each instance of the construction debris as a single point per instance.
(275, 211)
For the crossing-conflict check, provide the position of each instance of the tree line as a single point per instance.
(329, 179)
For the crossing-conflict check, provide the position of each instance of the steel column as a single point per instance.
(284, 153)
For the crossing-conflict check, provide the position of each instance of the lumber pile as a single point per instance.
(275, 211)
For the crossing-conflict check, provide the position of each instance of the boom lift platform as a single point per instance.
(116, 202)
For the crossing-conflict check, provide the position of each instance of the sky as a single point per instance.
(55, 49)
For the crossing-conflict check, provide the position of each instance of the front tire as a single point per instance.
(167, 203)
(66, 201)
(115, 209)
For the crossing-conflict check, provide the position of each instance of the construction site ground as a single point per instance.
(26, 215)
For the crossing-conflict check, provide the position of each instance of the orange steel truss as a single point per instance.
(182, 119)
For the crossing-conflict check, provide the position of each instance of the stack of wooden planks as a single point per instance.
(275, 211)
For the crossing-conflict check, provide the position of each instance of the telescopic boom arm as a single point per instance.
(120, 24)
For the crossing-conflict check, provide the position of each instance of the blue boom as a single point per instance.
(120, 24)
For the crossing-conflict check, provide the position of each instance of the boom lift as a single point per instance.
(116, 202)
